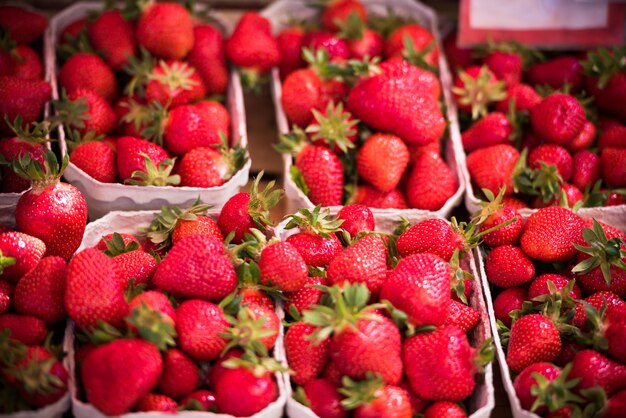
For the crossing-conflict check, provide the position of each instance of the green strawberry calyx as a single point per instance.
(261, 201)
(162, 227)
(40, 175)
(318, 221)
(334, 127)
(35, 376)
(246, 332)
(140, 70)
(175, 76)
(235, 157)
(358, 393)
(479, 92)
(116, 246)
(604, 64)
(258, 365)
(154, 175)
(5, 262)
(36, 133)
(153, 326)
(557, 393)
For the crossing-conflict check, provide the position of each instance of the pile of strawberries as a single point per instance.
(139, 91)
(560, 282)
(382, 327)
(363, 97)
(550, 130)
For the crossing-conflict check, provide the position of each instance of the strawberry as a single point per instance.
(154, 309)
(492, 167)
(243, 392)
(337, 48)
(514, 202)
(306, 358)
(19, 254)
(155, 402)
(282, 266)
(371, 398)
(135, 265)
(202, 225)
(491, 129)
(180, 376)
(615, 307)
(88, 71)
(462, 316)
(306, 296)
(586, 168)
(166, 30)
(252, 47)
(397, 67)
(332, 374)
(252, 294)
(524, 96)
(444, 409)
(387, 102)
(440, 364)
(27, 63)
(458, 58)
(113, 35)
(208, 57)
(97, 159)
(25, 98)
(505, 65)
(382, 161)
(558, 118)
(365, 261)
(256, 322)
(116, 375)
(413, 38)
(540, 287)
(323, 398)
(40, 292)
(551, 154)
(614, 166)
(199, 400)
(218, 369)
(290, 42)
(594, 369)
(526, 384)
(615, 405)
(210, 167)
(27, 140)
(26, 329)
(174, 83)
(22, 24)
(133, 116)
(363, 42)
(371, 197)
(557, 72)
(431, 182)
(132, 156)
(614, 136)
(356, 218)
(572, 195)
(544, 346)
(126, 240)
(585, 138)
(93, 291)
(53, 211)
(420, 287)
(86, 111)
(509, 300)
(200, 125)
(337, 12)
(606, 80)
(199, 326)
(550, 234)
(6, 296)
(197, 267)
(507, 235)
(433, 236)
(475, 88)
(336, 128)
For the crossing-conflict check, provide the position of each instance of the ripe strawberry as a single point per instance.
(323, 398)
(509, 300)
(559, 118)
(199, 400)
(133, 116)
(337, 48)
(252, 294)
(388, 102)
(337, 12)
(431, 183)
(116, 375)
(412, 74)
(615, 405)
(252, 47)
(130, 156)
(210, 167)
(166, 30)
(306, 358)
(420, 287)
(363, 42)
(150, 309)
(85, 111)
(202, 225)
(413, 38)
(208, 57)
(365, 261)
(40, 292)
(218, 369)
(6, 296)
(615, 307)
(22, 24)
(356, 218)
(24, 250)
(614, 137)
(557, 72)
(113, 35)
(586, 168)
(606, 80)
(550, 234)
(26, 329)
(492, 167)
(585, 138)
(594, 369)
(382, 161)
(26, 63)
(371, 398)
(290, 42)
(444, 409)
(199, 326)
(539, 286)
(155, 402)
(126, 240)
(490, 130)
(137, 265)
(306, 296)
(97, 159)
(572, 194)
(322, 173)
(371, 197)
(527, 380)
(551, 154)
(332, 374)
(88, 71)
(243, 392)
(507, 235)
(434, 236)
(199, 125)
(440, 364)
(175, 83)
(524, 96)
(475, 88)
(255, 321)
(282, 266)
(197, 267)
(607, 273)
(544, 346)
(506, 66)
(26, 140)
(614, 166)
(25, 98)
(462, 316)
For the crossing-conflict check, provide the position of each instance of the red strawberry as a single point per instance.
(615, 307)
(197, 267)
(26, 329)
(508, 235)
(444, 409)
(22, 24)
(166, 30)
(6, 296)
(337, 12)
(113, 35)
(527, 380)
(175, 83)
(306, 358)
(336, 47)
(506, 66)
(490, 130)
(615, 405)
(585, 138)
(218, 369)
(475, 88)
(509, 300)
(363, 42)
(116, 375)
(97, 159)
(606, 80)
(431, 183)
(572, 194)
(199, 325)
(586, 168)
(551, 154)
(40, 292)
(558, 72)
(85, 111)
(145, 305)
(202, 225)
(210, 167)
(550, 233)
(25, 98)
(306, 297)
(130, 158)
(243, 392)
(544, 346)
(252, 318)
(251, 294)
(596, 370)
(322, 172)
(413, 37)
(25, 250)
(316, 250)
(440, 364)
(356, 218)
(462, 316)
(89, 72)
(371, 398)
(491, 168)
(180, 376)
(382, 161)
(155, 402)
(282, 266)
(137, 265)
(93, 291)
(524, 96)
(539, 286)
(365, 261)
(614, 137)
(420, 287)
(199, 400)
(27, 63)
(126, 239)
(290, 42)
(208, 57)
(28, 140)
(434, 236)
(324, 399)
(371, 197)
(559, 118)
(513, 202)
(133, 116)
(614, 166)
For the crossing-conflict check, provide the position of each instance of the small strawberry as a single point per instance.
(306, 358)
(492, 167)
(540, 286)
(282, 266)
(550, 154)
(614, 136)
(290, 43)
(337, 12)
(431, 182)
(165, 30)
(19, 254)
(323, 398)
(558, 72)
(492, 129)
(199, 400)
(180, 376)
(244, 391)
(26, 329)
(434, 236)
(507, 235)
(363, 42)
(544, 346)
(585, 138)
(614, 166)
(586, 168)
(337, 48)
(155, 402)
(413, 38)
(462, 316)
(559, 118)
(371, 398)
(25, 98)
(356, 218)
(507, 301)
(524, 96)
(505, 65)
(27, 63)
(208, 57)
(211, 167)
(538, 378)
(93, 156)
(199, 326)
(201, 225)
(24, 25)
(40, 292)
(475, 88)
(89, 72)
(306, 296)
(114, 36)
(382, 161)
(138, 159)
(85, 111)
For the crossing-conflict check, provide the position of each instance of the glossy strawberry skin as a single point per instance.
(252, 45)
(166, 30)
(208, 57)
(306, 296)
(12, 149)
(129, 158)
(88, 71)
(97, 159)
(492, 129)
(539, 286)
(390, 401)
(506, 66)
(290, 42)
(445, 409)
(382, 160)
(25, 249)
(202, 167)
(323, 173)
(551, 154)
(281, 265)
(240, 392)
(114, 36)
(524, 96)
(198, 326)
(339, 11)
(100, 118)
(557, 72)
(369, 196)
(507, 266)
(544, 346)
(586, 168)
(337, 48)
(356, 218)
(25, 98)
(431, 183)
(156, 402)
(26, 329)
(491, 167)
(509, 300)
(40, 292)
(421, 38)
(180, 376)
(558, 118)
(202, 225)
(525, 381)
(205, 398)
(235, 217)
(508, 235)
(324, 399)
(462, 316)
(597, 370)
(305, 357)
(23, 24)
(434, 236)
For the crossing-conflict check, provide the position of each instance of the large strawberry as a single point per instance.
(431, 182)
(25, 98)
(245, 390)
(114, 36)
(382, 161)
(180, 376)
(22, 24)
(19, 254)
(492, 167)
(208, 57)
(41, 291)
(166, 30)
(89, 72)
(559, 118)
(116, 375)
(144, 163)
(534, 338)
(200, 325)
(306, 358)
